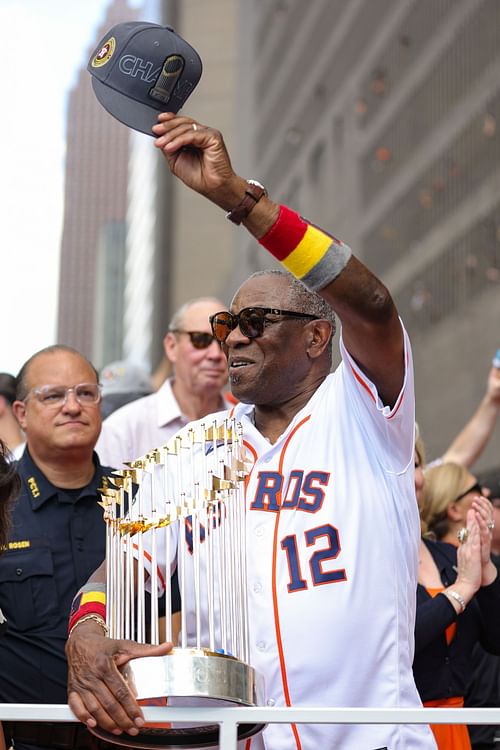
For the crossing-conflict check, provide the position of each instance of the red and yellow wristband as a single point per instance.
(306, 251)
(89, 604)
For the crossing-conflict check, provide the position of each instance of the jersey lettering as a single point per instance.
(302, 493)
(188, 526)
(319, 576)
(297, 583)
(268, 487)
(188, 532)
(292, 494)
(316, 493)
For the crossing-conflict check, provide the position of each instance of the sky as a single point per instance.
(44, 43)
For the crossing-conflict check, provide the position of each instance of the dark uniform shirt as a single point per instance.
(443, 670)
(484, 690)
(57, 540)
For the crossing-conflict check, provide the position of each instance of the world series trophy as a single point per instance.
(183, 501)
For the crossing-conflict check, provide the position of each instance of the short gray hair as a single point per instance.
(177, 319)
(303, 299)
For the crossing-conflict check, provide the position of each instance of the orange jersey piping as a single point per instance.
(275, 597)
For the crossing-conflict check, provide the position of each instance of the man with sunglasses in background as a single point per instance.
(57, 536)
(332, 523)
(194, 390)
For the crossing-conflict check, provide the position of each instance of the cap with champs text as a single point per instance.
(140, 69)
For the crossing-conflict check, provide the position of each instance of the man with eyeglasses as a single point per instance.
(194, 390)
(57, 536)
(332, 523)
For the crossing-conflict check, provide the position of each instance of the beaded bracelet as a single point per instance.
(90, 600)
(85, 618)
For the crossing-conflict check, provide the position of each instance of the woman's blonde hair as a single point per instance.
(420, 462)
(443, 484)
(419, 447)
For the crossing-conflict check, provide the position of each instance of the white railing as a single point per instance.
(229, 718)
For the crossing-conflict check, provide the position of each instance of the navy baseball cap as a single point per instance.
(140, 69)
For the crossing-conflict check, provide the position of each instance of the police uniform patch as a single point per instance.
(19, 544)
(105, 53)
(35, 492)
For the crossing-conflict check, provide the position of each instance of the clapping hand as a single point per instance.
(483, 511)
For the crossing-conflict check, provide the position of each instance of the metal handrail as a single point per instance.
(229, 718)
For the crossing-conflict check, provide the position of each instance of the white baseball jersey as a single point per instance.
(332, 548)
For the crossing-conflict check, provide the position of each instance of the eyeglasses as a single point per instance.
(475, 488)
(199, 339)
(86, 394)
(251, 321)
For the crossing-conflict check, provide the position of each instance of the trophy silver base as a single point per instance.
(188, 677)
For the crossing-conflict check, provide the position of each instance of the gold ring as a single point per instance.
(491, 525)
(195, 127)
(463, 535)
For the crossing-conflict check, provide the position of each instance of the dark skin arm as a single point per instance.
(97, 691)
(371, 328)
(370, 325)
(372, 334)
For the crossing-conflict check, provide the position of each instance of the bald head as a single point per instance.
(56, 428)
(22, 380)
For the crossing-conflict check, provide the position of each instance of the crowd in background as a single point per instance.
(59, 455)
(456, 656)
(457, 642)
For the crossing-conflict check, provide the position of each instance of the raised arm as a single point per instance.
(473, 438)
(371, 330)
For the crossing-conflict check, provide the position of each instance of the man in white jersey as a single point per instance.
(332, 521)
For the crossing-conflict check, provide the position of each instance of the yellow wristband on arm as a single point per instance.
(89, 603)
(306, 251)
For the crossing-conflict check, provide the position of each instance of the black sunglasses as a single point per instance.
(251, 321)
(475, 488)
(199, 339)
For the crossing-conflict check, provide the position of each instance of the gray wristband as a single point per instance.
(328, 268)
